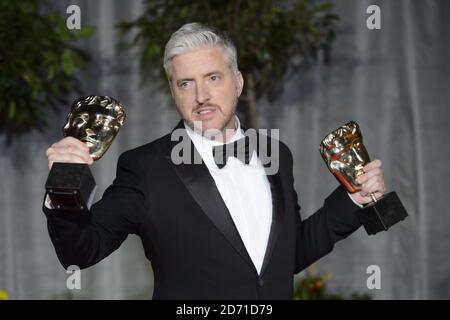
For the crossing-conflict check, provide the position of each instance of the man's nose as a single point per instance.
(202, 94)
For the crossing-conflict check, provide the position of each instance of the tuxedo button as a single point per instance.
(261, 282)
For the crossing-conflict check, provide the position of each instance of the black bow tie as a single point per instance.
(240, 149)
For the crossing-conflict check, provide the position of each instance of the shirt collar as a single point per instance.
(204, 145)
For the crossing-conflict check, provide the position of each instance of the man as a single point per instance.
(210, 232)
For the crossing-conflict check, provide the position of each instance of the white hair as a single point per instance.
(193, 36)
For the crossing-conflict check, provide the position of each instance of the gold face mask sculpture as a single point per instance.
(345, 155)
(95, 120)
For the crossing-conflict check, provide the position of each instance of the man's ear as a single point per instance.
(239, 83)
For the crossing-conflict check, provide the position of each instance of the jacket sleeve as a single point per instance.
(316, 235)
(86, 237)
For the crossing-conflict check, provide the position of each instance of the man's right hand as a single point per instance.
(68, 149)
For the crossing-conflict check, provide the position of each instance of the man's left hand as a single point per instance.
(372, 181)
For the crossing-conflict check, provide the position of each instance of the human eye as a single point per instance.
(184, 84)
(215, 77)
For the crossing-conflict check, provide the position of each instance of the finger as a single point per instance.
(372, 186)
(369, 174)
(378, 195)
(70, 141)
(49, 151)
(372, 165)
(82, 153)
(70, 158)
(365, 198)
(376, 184)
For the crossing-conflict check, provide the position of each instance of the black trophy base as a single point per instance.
(383, 214)
(69, 186)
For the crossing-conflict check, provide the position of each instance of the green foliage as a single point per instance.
(271, 36)
(37, 62)
(313, 286)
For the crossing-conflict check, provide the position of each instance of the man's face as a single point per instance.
(205, 89)
(94, 126)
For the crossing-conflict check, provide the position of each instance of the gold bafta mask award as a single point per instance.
(94, 120)
(345, 155)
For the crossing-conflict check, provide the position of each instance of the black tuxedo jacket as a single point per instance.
(188, 234)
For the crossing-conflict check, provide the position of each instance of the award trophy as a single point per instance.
(345, 155)
(95, 120)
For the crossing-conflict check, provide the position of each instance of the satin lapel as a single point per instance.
(203, 189)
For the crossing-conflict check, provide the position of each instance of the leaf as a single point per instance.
(324, 6)
(67, 61)
(51, 72)
(84, 32)
(12, 110)
(37, 63)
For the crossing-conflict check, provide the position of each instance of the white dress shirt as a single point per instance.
(245, 190)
